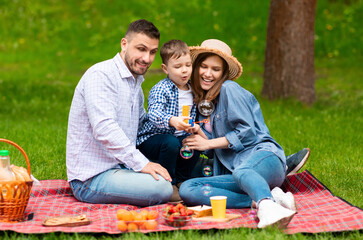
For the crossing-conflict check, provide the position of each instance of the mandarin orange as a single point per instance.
(150, 225)
(122, 225)
(152, 215)
(139, 217)
(133, 213)
(132, 227)
(120, 213)
(144, 213)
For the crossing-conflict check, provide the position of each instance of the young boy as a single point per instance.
(161, 135)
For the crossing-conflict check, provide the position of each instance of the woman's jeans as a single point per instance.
(123, 186)
(251, 180)
(165, 150)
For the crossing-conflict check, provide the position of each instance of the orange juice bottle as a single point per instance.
(5, 172)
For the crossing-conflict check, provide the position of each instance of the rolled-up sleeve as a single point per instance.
(239, 118)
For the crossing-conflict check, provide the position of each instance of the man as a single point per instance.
(103, 164)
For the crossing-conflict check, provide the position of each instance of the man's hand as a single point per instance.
(155, 168)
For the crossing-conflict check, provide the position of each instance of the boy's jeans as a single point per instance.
(251, 180)
(123, 186)
(165, 150)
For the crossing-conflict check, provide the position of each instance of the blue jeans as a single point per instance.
(123, 186)
(251, 180)
(165, 150)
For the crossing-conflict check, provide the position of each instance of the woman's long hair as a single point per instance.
(211, 94)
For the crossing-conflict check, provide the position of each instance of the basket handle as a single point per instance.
(20, 149)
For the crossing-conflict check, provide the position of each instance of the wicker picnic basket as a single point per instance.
(14, 195)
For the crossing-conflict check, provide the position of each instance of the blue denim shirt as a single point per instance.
(238, 117)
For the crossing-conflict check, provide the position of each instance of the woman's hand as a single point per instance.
(195, 129)
(196, 142)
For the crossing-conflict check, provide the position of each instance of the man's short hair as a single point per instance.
(173, 49)
(145, 27)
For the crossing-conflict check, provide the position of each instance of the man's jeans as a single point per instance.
(123, 186)
(251, 180)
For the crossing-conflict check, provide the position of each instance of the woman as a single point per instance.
(248, 162)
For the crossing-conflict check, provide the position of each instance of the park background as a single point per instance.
(46, 46)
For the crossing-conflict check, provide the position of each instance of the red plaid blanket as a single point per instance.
(318, 211)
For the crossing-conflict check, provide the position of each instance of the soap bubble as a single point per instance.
(205, 107)
(207, 190)
(207, 171)
(186, 152)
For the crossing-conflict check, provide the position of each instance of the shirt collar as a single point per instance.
(170, 83)
(124, 70)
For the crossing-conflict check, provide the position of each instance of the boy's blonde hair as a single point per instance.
(173, 49)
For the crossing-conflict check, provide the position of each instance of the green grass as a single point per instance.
(46, 46)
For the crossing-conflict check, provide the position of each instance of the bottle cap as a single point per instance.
(4, 152)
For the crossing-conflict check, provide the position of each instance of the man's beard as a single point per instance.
(131, 66)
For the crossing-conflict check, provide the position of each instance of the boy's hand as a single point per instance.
(178, 123)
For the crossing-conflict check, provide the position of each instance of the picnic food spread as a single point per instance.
(133, 220)
(21, 174)
(15, 186)
(15, 173)
(11, 172)
(178, 215)
(201, 211)
(204, 213)
(66, 221)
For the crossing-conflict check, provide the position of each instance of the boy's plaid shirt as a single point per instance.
(163, 102)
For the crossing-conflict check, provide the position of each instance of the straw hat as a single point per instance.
(221, 49)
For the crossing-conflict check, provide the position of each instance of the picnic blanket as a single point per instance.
(318, 211)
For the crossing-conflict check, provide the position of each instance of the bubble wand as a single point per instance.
(185, 151)
(205, 108)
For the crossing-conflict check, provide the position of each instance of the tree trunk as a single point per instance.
(289, 54)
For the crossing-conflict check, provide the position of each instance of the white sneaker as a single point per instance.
(270, 213)
(286, 200)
